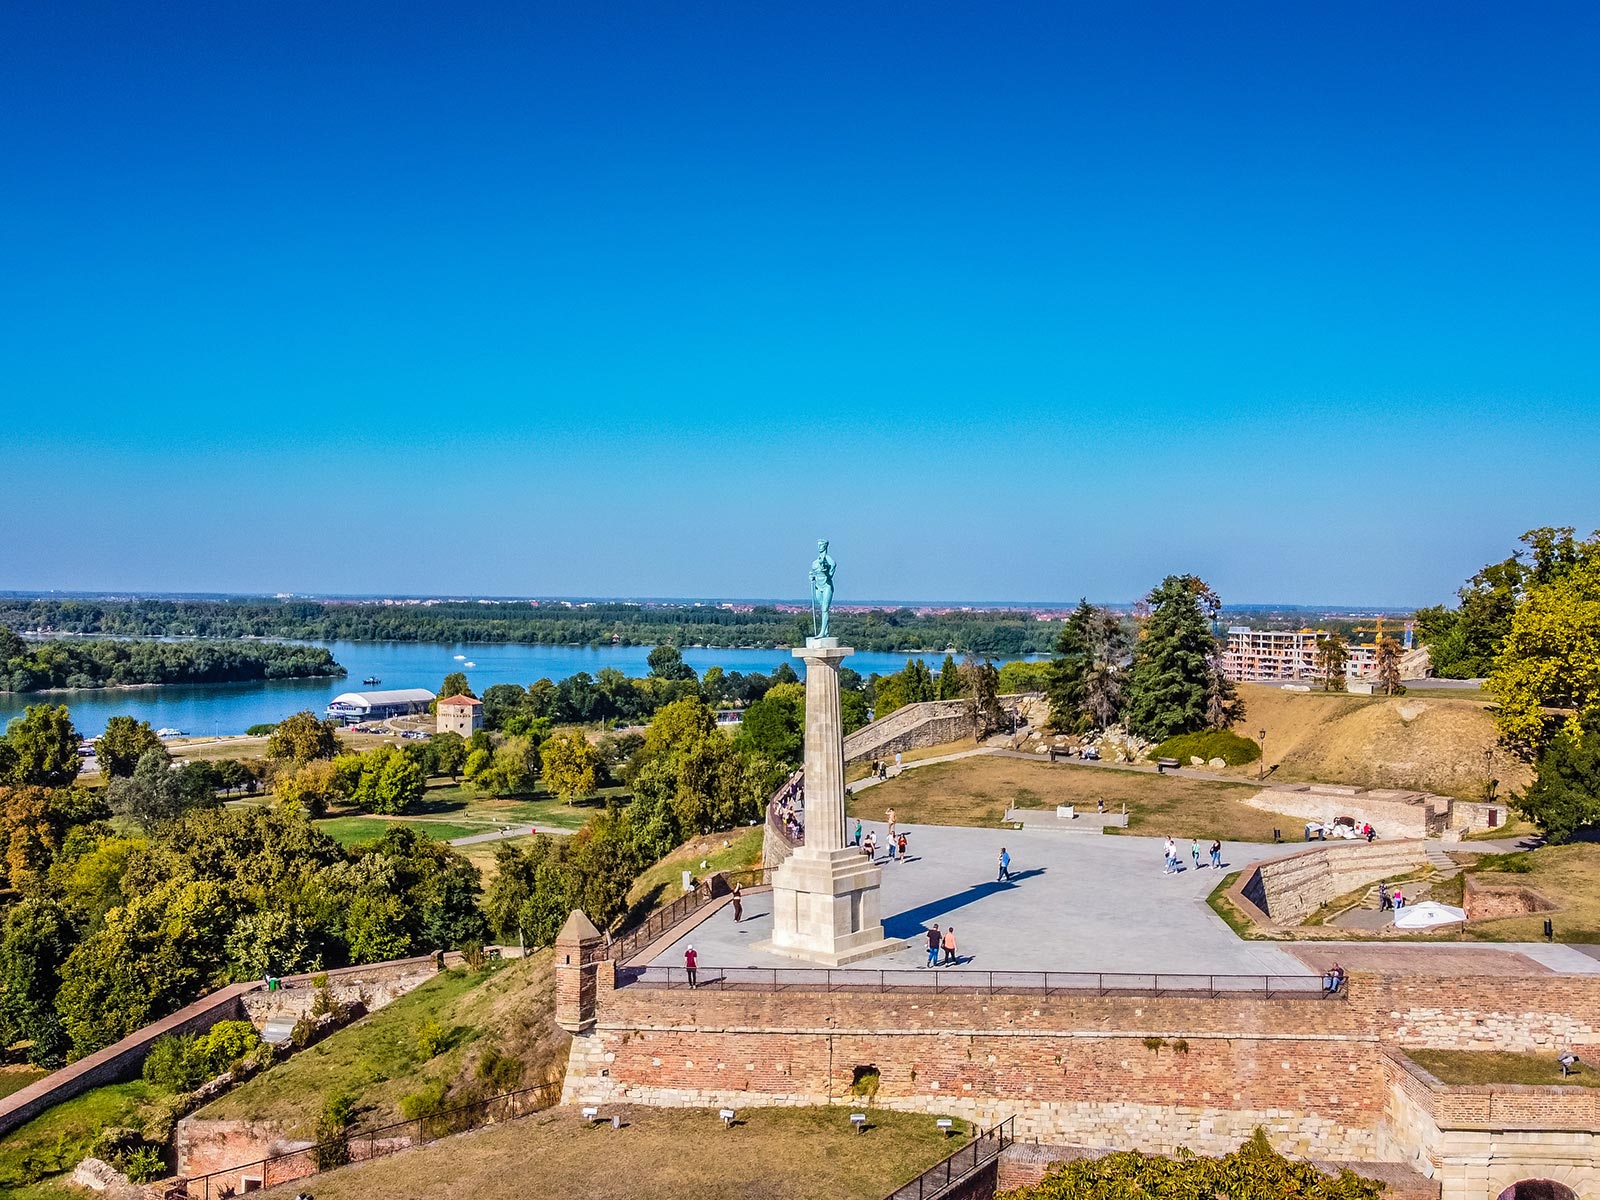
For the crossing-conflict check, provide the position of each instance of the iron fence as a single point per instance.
(363, 1145)
(625, 945)
(937, 1179)
(943, 980)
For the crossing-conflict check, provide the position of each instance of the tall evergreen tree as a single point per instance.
(949, 679)
(1069, 670)
(1170, 687)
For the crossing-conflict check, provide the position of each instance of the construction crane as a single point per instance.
(1376, 629)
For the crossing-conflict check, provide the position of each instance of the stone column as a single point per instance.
(825, 903)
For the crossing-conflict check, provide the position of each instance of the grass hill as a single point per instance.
(493, 1030)
(1432, 743)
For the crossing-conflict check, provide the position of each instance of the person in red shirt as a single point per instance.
(690, 960)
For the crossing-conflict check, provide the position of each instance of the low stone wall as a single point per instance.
(1394, 814)
(1486, 901)
(204, 1146)
(373, 986)
(918, 726)
(1284, 891)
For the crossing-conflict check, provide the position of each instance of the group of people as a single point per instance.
(790, 809)
(894, 842)
(941, 942)
(1174, 860)
(880, 767)
(1387, 900)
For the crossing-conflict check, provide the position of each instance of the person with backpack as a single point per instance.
(949, 944)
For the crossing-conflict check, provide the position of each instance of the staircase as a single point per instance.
(1441, 862)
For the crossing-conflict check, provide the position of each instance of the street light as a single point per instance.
(1261, 772)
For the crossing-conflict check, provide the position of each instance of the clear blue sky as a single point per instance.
(1010, 301)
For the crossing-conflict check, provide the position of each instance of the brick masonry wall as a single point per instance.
(1069, 1068)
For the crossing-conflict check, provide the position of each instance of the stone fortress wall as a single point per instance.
(1285, 891)
(1393, 812)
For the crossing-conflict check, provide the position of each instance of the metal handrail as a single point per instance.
(628, 943)
(941, 981)
(367, 1144)
(984, 1148)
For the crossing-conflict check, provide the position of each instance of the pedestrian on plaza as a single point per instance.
(1399, 899)
(889, 819)
(902, 847)
(691, 961)
(1216, 855)
(1194, 852)
(888, 849)
(870, 847)
(934, 942)
(1171, 854)
(949, 944)
(1005, 866)
(1385, 903)
(858, 831)
(738, 903)
(897, 757)
(883, 770)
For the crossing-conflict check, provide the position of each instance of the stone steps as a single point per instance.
(1442, 863)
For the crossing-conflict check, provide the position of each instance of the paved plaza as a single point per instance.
(1091, 902)
(1075, 903)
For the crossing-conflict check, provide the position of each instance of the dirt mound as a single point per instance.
(1431, 744)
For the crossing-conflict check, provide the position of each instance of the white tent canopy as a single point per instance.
(1428, 914)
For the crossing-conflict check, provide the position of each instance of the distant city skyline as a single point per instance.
(1044, 300)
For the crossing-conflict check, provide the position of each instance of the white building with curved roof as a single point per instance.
(355, 707)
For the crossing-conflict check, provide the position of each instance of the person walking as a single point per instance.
(738, 903)
(1194, 852)
(691, 961)
(870, 846)
(1171, 854)
(902, 847)
(858, 831)
(889, 847)
(949, 944)
(1216, 855)
(889, 819)
(1384, 903)
(1005, 866)
(934, 942)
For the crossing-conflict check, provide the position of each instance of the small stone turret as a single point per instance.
(579, 948)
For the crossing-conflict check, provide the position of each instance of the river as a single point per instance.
(233, 707)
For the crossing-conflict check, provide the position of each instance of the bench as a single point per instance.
(1163, 765)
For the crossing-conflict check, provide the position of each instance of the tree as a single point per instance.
(666, 662)
(1018, 677)
(1254, 1169)
(11, 646)
(1387, 659)
(950, 683)
(1083, 683)
(302, 738)
(152, 794)
(567, 764)
(455, 684)
(35, 823)
(501, 702)
(775, 725)
(1169, 687)
(852, 710)
(34, 942)
(449, 753)
(124, 742)
(390, 781)
(44, 746)
(1547, 674)
(1333, 653)
(508, 769)
(983, 698)
(1564, 798)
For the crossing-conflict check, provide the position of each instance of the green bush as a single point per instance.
(430, 1038)
(226, 1043)
(499, 1072)
(172, 1064)
(1230, 747)
(425, 1102)
(144, 1165)
(261, 730)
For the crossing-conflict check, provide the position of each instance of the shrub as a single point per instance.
(1230, 747)
(499, 1072)
(172, 1064)
(864, 1082)
(144, 1165)
(261, 730)
(424, 1102)
(430, 1038)
(333, 1146)
(226, 1043)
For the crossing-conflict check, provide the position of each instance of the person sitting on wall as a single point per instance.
(1333, 980)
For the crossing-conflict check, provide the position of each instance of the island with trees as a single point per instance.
(32, 666)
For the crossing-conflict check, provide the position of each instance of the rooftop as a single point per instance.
(460, 702)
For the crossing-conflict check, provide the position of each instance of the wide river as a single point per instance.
(234, 707)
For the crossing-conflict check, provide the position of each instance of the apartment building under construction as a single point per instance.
(1290, 655)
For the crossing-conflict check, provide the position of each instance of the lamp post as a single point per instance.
(1261, 771)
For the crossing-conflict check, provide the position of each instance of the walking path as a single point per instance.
(499, 835)
(861, 785)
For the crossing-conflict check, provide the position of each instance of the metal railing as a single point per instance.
(628, 943)
(941, 981)
(937, 1179)
(791, 789)
(364, 1145)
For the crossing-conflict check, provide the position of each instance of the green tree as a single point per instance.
(567, 764)
(44, 746)
(1017, 677)
(950, 682)
(124, 742)
(302, 738)
(1169, 686)
(1564, 798)
(1081, 681)
(666, 662)
(1333, 653)
(455, 684)
(775, 725)
(34, 942)
(1387, 659)
(449, 753)
(852, 710)
(983, 698)
(152, 794)
(35, 825)
(501, 702)
(1547, 674)
(11, 646)
(390, 781)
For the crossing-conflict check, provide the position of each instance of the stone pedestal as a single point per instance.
(825, 900)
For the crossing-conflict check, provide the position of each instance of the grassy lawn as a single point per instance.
(14, 1079)
(357, 831)
(1564, 875)
(1500, 1066)
(658, 1154)
(719, 851)
(56, 1140)
(977, 791)
(509, 1006)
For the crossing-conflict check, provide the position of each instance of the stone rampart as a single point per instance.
(373, 986)
(918, 726)
(1284, 891)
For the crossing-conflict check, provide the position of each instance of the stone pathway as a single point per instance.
(862, 785)
(500, 835)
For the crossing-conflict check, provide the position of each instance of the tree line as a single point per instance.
(28, 666)
(993, 632)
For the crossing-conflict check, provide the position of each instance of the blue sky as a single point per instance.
(1011, 302)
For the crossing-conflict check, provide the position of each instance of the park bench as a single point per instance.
(1163, 765)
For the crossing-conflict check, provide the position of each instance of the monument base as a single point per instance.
(826, 908)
